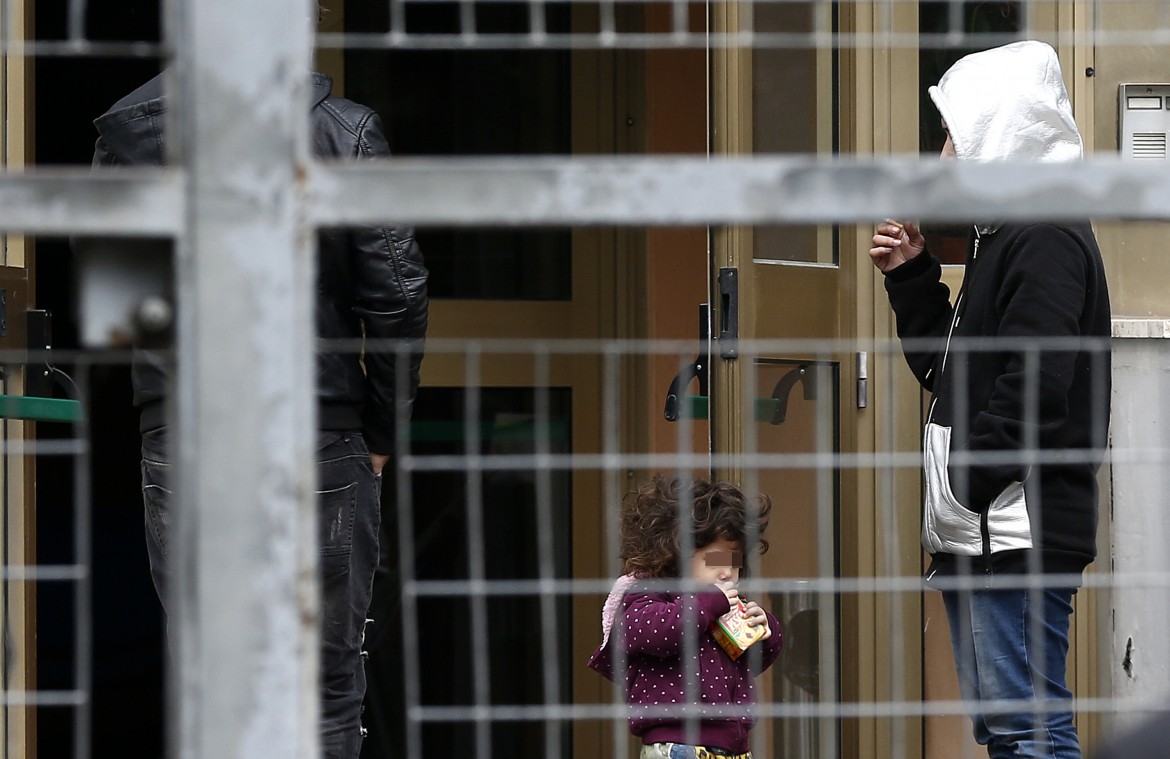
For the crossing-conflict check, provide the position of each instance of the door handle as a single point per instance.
(728, 312)
(696, 369)
(805, 374)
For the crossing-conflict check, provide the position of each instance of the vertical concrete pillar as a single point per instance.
(1139, 525)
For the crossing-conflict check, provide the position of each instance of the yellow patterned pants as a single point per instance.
(683, 751)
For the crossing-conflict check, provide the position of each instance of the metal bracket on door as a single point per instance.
(805, 374)
(41, 377)
(862, 379)
(696, 369)
(729, 313)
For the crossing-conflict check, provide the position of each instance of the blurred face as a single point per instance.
(717, 562)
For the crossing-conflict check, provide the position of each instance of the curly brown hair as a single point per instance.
(650, 535)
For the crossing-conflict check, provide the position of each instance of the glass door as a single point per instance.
(796, 417)
(790, 406)
(491, 387)
(782, 402)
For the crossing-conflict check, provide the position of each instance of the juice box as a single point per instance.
(733, 633)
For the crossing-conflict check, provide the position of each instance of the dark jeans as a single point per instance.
(1010, 645)
(349, 518)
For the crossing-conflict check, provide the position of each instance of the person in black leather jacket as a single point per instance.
(368, 277)
(372, 284)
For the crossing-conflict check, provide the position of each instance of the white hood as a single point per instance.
(1009, 103)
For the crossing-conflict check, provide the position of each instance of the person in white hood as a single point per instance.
(1014, 437)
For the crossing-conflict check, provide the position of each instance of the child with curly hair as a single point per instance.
(659, 627)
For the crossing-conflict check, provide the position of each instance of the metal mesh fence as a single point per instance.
(580, 172)
(808, 706)
(589, 24)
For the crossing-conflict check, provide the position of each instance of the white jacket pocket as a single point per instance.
(950, 527)
(947, 526)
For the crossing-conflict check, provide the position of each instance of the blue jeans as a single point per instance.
(1000, 657)
(349, 517)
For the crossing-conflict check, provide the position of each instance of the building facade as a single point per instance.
(624, 210)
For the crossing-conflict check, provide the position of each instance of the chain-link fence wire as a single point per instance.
(807, 702)
(616, 24)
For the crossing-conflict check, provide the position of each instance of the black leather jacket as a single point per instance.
(371, 280)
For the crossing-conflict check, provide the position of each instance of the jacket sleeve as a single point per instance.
(1042, 295)
(922, 310)
(101, 154)
(653, 625)
(390, 297)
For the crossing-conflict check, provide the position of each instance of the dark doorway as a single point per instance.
(444, 504)
(127, 714)
(450, 103)
(437, 103)
(473, 102)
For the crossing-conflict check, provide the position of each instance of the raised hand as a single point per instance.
(895, 243)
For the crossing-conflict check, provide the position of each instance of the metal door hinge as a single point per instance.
(862, 379)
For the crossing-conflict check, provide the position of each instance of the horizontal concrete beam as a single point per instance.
(617, 190)
(661, 190)
(142, 203)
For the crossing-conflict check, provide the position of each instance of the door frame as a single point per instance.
(18, 727)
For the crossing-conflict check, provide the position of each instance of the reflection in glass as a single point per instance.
(473, 102)
(799, 669)
(442, 549)
(797, 414)
(794, 105)
(498, 264)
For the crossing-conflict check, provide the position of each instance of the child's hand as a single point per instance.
(756, 617)
(729, 590)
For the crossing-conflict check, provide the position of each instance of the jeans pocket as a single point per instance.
(156, 498)
(336, 519)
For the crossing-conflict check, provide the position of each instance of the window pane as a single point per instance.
(801, 417)
(473, 102)
(949, 241)
(794, 95)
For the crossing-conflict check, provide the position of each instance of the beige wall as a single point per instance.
(1135, 253)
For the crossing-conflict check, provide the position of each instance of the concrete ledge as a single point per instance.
(1137, 328)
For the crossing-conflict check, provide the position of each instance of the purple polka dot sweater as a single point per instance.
(652, 626)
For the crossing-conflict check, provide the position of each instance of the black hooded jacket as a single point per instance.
(1002, 404)
(1020, 367)
(371, 280)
